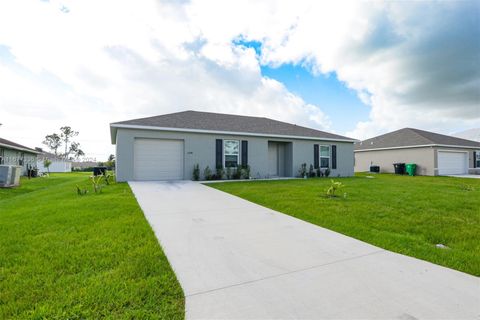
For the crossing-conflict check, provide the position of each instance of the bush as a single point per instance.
(237, 173)
(207, 173)
(302, 172)
(245, 172)
(319, 172)
(326, 173)
(311, 173)
(196, 172)
(219, 173)
(334, 187)
(228, 173)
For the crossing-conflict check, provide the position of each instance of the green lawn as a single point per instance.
(64, 256)
(409, 215)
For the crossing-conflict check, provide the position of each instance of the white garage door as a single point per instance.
(158, 159)
(452, 162)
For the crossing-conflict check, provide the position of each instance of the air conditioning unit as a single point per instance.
(10, 176)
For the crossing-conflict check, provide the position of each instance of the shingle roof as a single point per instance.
(229, 123)
(412, 137)
(14, 145)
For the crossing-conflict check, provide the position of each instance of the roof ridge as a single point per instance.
(416, 131)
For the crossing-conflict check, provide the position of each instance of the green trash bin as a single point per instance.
(411, 168)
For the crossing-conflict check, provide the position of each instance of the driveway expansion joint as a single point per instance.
(285, 273)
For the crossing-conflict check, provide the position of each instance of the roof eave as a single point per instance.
(9, 146)
(115, 126)
(419, 146)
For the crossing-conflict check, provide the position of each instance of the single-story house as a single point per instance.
(167, 147)
(12, 153)
(58, 164)
(433, 153)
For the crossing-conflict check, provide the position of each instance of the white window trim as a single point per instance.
(329, 156)
(238, 156)
(477, 158)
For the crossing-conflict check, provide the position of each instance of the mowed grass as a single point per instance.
(409, 215)
(64, 256)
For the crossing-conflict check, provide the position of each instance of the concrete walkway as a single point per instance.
(238, 260)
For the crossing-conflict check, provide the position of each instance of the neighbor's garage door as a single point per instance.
(158, 159)
(452, 162)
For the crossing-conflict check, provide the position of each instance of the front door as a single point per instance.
(272, 159)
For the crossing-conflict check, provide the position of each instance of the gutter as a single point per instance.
(18, 148)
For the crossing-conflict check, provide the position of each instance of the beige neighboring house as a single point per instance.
(433, 153)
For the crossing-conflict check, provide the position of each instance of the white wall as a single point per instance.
(56, 166)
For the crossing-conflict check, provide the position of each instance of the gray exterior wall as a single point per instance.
(199, 148)
(426, 159)
(13, 157)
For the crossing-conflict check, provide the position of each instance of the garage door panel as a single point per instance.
(452, 162)
(158, 159)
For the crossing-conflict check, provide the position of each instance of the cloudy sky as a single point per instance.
(353, 68)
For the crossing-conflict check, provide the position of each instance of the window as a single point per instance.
(2, 155)
(231, 153)
(324, 156)
(477, 160)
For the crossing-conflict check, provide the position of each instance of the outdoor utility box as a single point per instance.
(10, 176)
(5, 176)
(375, 169)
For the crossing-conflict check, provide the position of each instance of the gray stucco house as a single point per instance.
(167, 147)
(12, 153)
(435, 154)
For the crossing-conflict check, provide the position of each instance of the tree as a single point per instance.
(75, 150)
(53, 142)
(111, 161)
(66, 134)
(46, 164)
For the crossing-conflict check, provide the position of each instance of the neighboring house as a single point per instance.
(471, 134)
(58, 164)
(433, 153)
(79, 165)
(167, 147)
(12, 153)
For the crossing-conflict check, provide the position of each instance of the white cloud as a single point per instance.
(88, 63)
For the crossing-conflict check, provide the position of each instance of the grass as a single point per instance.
(408, 215)
(64, 256)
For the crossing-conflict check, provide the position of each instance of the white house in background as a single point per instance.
(59, 164)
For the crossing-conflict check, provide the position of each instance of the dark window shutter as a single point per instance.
(474, 159)
(244, 153)
(219, 153)
(334, 157)
(315, 156)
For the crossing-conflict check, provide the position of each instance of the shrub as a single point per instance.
(237, 173)
(319, 172)
(302, 172)
(228, 173)
(334, 187)
(207, 173)
(196, 172)
(81, 191)
(245, 172)
(97, 183)
(327, 172)
(311, 173)
(219, 173)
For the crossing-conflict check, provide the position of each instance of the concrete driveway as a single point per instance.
(238, 260)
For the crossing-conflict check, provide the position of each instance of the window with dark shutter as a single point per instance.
(218, 153)
(334, 157)
(316, 156)
(244, 153)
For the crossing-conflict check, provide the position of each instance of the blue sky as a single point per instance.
(341, 104)
(335, 99)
